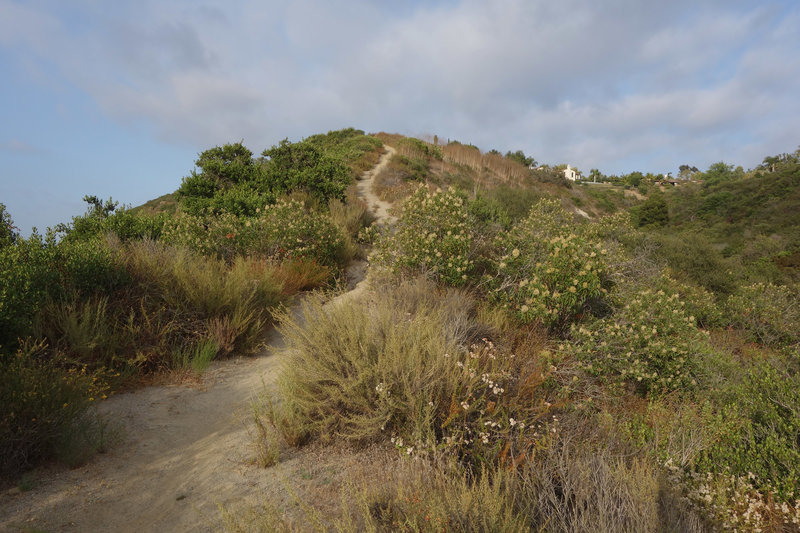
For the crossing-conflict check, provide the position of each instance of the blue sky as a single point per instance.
(117, 98)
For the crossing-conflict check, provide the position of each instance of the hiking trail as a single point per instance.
(186, 449)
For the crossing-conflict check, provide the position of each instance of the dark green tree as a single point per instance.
(721, 172)
(520, 157)
(99, 208)
(229, 164)
(8, 232)
(301, 166)
(653, 212)
(634, 178)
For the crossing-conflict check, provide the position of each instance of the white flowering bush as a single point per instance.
(283, 230)
(432, 235)
(546, 270)
(497, 412)
(650, 342)
(733, 504)
(769, 313)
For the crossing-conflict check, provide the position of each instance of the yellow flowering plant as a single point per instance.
(650, 342)
(42, 396)
(546, 270)
(286, 229)
(433, 235)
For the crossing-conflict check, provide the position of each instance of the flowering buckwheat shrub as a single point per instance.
(546, 271)
(731, 502)
(285, 229)
(497, 413)
(432, 235)
(769, 313)
(409, 377)
(651, 342)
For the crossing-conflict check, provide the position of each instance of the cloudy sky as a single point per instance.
(117, 98)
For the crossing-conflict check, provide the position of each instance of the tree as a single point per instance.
(229, 164)
(595, 174)
(685, 172)
(721, 172)
(8, 232)
(654, 212)
(520, 157)
(99, 208)
(634, 178)
(291, 166)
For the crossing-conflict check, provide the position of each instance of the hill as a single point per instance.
(509, 363)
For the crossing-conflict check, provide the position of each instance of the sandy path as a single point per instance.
(185, 451)
(375, 204)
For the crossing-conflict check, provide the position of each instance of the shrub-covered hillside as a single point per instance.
(550, 373)
(729, 228)
(530, 355)
(118, 294)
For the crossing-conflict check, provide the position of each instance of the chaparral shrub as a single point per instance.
(650, 342)
(763, 446)
(547, 270)
(432, 235)
(27, 278)
(286, 229)
(41, 397)
(769, 313)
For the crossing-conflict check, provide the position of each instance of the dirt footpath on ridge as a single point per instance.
(186, 450)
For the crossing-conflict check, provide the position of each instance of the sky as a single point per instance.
(116, 99)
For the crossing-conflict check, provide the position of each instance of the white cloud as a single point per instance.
(609, 85)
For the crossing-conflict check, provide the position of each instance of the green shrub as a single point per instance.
(693, 258)
(432, 235)
(769, 313)
(351, 146)
(545, 271)
(283, 230)
(764, 446)
(125, 224)
(89, 266)
(651, 342)
(8, 232)
(41, 399)
(302, 166)
(27, 279)
(653, 212)
(489, 210)
(698, 302)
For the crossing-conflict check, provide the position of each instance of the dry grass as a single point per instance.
(392, 183)
(350, 216)
(339, 356)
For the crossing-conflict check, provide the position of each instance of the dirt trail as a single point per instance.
(375, 204)
(185, 450)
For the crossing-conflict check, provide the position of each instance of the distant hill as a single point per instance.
(735, 226)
